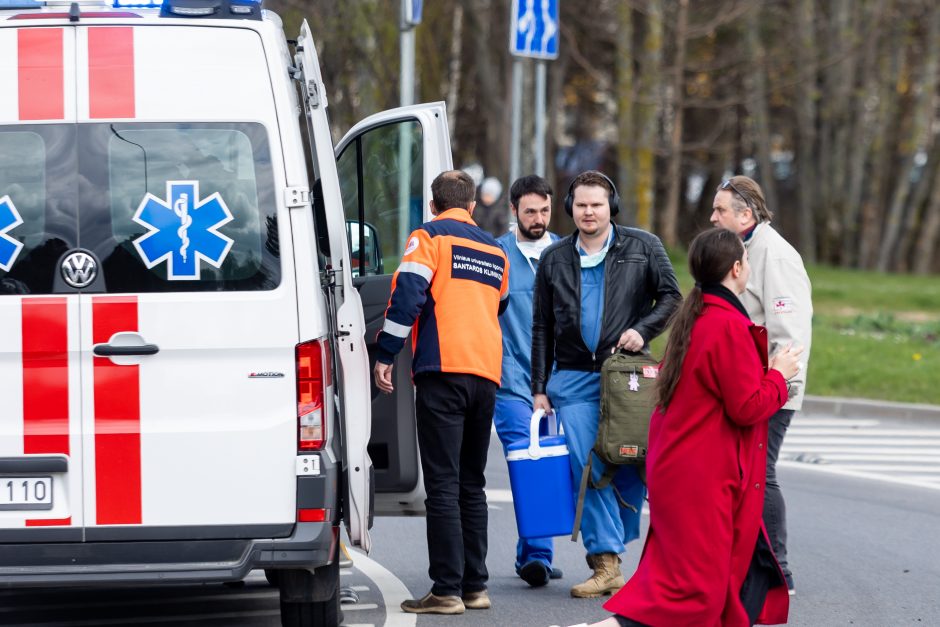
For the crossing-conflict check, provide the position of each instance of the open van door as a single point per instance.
(386, 164)
(346, 317)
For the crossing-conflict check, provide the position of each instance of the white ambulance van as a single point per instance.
(191, 279)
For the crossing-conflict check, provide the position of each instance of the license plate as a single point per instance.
(25, 493)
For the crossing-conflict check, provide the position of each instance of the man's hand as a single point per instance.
(540, 401)
(629, 340)
(383, 377)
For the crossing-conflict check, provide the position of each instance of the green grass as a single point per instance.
(875, 335)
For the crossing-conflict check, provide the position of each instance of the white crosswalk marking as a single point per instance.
(865, 448)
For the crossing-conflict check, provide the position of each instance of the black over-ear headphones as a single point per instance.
(614, 196)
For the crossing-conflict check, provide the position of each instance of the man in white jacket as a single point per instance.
(779, 297)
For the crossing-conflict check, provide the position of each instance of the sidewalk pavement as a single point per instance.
(864, 408)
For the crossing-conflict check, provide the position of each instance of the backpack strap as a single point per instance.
(582, 491)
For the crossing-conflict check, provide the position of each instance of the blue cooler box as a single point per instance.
(540, 478)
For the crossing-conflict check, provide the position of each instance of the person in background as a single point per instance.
(448, 291)
(602, 288)
(530, 200)
(779, 297)
(707, 559)
(490, 214)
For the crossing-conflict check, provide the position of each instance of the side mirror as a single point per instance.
(364, 250)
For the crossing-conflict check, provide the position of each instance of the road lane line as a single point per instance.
(837, 470)
(223, 596)
(150, 620)
(854, 439)
(871, 456)
(812, 431)
(357, 607)
(392, 589)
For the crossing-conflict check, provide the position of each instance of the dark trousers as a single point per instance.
(775, 509)
(455, 414)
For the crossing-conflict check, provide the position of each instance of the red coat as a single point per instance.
(706, 467)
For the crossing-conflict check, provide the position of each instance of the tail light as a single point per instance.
(313, 381)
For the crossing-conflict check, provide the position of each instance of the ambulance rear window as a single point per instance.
(188, 207)
(37, 205)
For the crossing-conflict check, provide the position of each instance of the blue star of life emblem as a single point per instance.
(182, 230)
(9, 220)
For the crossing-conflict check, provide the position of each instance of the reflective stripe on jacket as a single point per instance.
(452, 284)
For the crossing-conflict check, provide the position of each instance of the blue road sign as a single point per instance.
(412, 10)
(534, 30)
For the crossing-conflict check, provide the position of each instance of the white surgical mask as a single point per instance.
(532, 251)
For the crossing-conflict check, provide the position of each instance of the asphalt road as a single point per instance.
(864, 547)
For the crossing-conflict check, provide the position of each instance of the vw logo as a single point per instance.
(79, 269)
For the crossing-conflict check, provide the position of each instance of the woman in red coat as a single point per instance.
(706, 561)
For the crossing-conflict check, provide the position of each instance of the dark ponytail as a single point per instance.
(711, 256)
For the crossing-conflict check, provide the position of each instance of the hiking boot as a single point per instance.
(433, 604)
(606, 579)
(478, 600)
(535, 573)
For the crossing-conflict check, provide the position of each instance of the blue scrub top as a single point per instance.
(516, 323)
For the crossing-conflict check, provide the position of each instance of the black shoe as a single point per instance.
(535, 573)
(556, 574)
(790, 587)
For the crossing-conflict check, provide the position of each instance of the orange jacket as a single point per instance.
(452, 284)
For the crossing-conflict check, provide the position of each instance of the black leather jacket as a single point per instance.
(640, 292)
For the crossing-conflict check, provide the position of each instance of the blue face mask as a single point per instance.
(595, 259)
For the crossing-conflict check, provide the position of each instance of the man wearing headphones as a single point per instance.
(602, 288)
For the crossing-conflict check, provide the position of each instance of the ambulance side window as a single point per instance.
(381, 179)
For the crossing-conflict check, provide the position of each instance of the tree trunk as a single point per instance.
(866, 126)
(927, 242)
(807, 168)
(626, 139)
(647, 122)
(837, 118)
(919, 132)
(453, 82)
(670, 219)
(916, 206)
(881, 172)
(757, 105)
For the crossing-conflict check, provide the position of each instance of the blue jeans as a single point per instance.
(512, 424)
(775, 509)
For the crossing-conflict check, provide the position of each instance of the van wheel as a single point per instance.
(321, 584)
(311, 613)
(271, 575)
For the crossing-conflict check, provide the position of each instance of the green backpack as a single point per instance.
(628, 386)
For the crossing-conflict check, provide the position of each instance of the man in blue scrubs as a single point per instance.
(603, 288)
(530, 199)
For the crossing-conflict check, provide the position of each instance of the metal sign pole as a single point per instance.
(540, 73)
(534, 31)
(516, 139)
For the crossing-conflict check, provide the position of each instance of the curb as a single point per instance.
(856, 408)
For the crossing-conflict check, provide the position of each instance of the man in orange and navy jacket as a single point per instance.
(452, 284)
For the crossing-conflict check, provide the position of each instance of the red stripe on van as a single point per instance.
(41, 75)
(45, 376)
(45, 382)
(117, 418)
(111, 72)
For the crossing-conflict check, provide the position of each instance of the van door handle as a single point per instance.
(110, 350)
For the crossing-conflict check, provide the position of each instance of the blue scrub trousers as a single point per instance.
(512, 424)
(606, 527)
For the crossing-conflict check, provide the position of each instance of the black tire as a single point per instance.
(271, 575)
(311, 614)
(314, 613)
